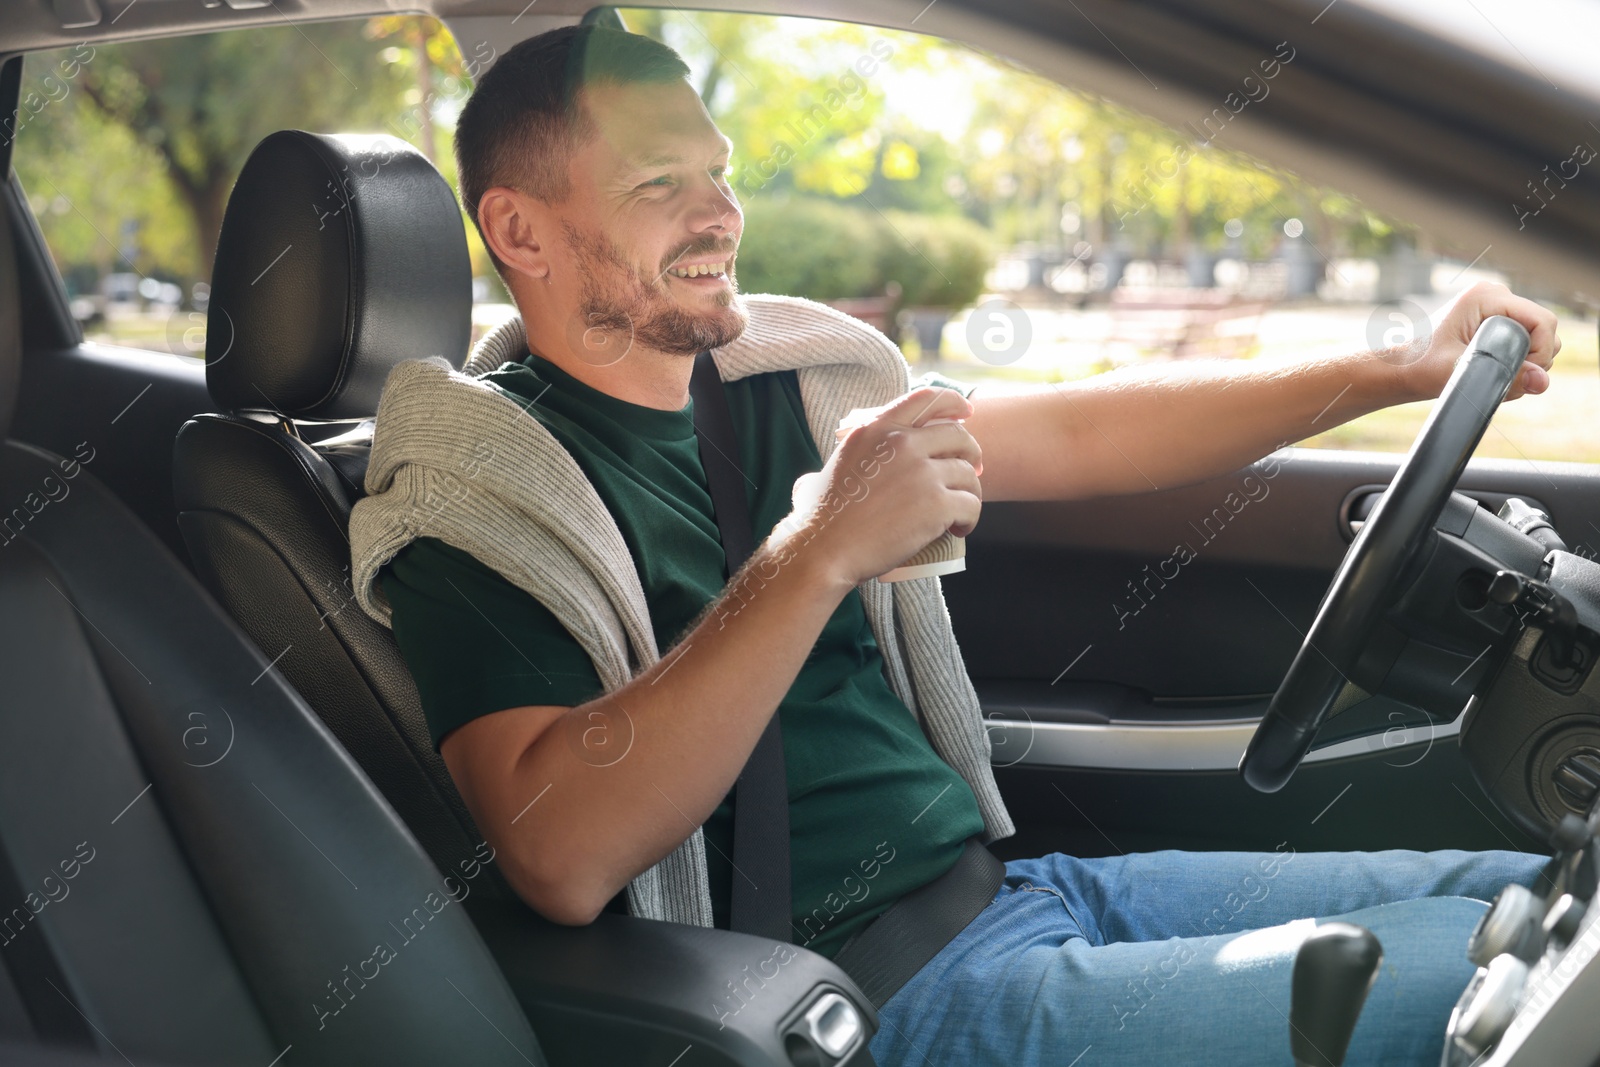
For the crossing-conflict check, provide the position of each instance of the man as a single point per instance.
(593, 744)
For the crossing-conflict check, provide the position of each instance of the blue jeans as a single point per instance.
(1186, 957)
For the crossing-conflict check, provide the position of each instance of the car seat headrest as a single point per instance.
(340, 256)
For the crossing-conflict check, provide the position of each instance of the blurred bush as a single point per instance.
(939, 260)
(826, 250)
(801, 246)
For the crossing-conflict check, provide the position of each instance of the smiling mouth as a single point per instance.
(708, 271)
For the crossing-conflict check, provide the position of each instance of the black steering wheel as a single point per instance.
(1366, 584)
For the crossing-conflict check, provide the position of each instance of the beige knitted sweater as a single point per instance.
(457, 459)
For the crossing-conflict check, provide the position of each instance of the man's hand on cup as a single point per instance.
(898, 479)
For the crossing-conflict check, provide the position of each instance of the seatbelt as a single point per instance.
(760, 902)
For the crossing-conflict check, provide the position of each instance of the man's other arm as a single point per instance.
(1146, 428)
(579, 801)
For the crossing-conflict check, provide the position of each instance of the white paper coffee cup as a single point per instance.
(945, 554)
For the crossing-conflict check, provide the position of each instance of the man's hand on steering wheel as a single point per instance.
(1423, 378)
(1490, 346)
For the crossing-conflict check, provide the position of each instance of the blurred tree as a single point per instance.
(442, 83)
(200, 104)
(1036, 163)
(86, 212)
(801, 100)
(430, 56)
(807, 103)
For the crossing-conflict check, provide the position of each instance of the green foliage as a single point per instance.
(809, 247)
(938, 260)
(939, 170)
(83, 210)
(801, 101)
(841, 174)
(152, 134)
(816, 248)
(1032, 161)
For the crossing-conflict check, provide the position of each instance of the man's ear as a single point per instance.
(514, 225)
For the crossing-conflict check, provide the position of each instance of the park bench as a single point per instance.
(1181, 323)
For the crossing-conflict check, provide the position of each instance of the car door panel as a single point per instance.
(76, 398)
(1127, 676)
(1417, 798)
(122, 405)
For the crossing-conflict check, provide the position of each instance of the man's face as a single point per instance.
(651, 227)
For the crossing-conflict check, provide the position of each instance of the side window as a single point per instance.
(1000, 226)
(128, 151)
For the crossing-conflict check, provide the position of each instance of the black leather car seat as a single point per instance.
(192, 869)
(340, 256)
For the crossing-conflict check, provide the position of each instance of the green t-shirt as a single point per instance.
(873, 811)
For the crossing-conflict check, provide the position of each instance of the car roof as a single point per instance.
(1444, 129)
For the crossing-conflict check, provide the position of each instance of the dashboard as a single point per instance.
(1535, 999)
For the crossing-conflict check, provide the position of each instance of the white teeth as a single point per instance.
(699, 270)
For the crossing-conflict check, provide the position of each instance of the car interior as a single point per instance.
(230, 758)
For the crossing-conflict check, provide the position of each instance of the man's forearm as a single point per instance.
(623, 779)
(1156, 428)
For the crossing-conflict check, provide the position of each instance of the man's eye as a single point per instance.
(663, 180)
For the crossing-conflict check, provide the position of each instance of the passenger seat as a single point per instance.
(340, 256)
(192, 869)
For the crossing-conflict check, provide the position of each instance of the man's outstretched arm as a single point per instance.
(579, 801)
(1156, 428)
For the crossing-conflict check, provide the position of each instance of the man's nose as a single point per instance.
(716, 210)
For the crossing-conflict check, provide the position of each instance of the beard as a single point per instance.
(620, 306)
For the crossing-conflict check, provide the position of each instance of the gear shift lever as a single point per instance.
(1333, 972)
